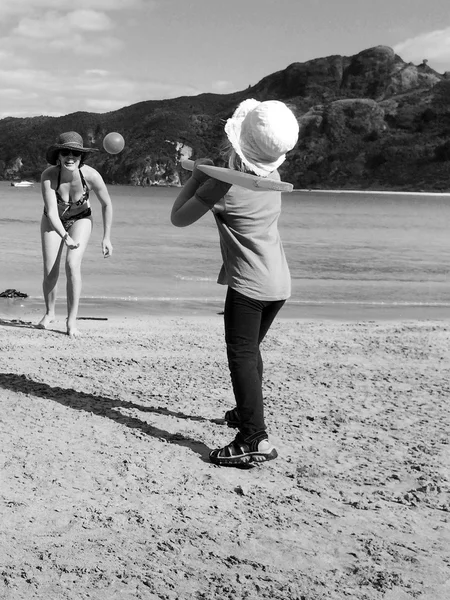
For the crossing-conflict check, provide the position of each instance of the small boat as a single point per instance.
(22, 183)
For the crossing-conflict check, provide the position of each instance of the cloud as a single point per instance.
(433, 46)
(96, 72)
(14, 8)
(222, 86)
(105, 46)
(54, 32)
(90, 20)
(57, 59)
(11, 59)
(61, 92)
(55, 25)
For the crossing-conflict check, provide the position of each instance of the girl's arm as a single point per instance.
(51, 209)
(187, 208)
(197, 197)
(101, 191)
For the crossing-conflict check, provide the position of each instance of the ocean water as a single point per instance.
(355, 255)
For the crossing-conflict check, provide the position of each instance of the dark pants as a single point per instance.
(246, 323)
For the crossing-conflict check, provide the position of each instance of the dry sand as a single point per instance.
(107, 492)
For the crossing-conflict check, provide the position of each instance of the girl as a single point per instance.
(254, 264)
(67, 221)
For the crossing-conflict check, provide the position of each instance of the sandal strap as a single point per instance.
(233, 449)
(244, 451)
(252, 441)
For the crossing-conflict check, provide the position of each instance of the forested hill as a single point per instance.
(369, 121)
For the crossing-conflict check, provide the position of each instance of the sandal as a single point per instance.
(232, 418)
(255, 448)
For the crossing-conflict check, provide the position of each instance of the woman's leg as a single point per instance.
(52, 247)
(80, 232)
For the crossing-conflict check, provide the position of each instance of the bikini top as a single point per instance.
(69, 209)
(84, 197)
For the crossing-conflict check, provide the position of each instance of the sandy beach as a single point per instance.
(107, 492)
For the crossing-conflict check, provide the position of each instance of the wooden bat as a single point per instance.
(246, 180)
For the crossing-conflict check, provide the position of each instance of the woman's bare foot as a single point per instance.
(45, 321)
(72, 330)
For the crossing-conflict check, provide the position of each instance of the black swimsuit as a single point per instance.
(69, 212)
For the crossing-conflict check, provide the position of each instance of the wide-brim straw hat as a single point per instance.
(261, 133)
(70, 140)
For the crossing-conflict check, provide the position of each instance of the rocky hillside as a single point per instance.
(369, 121)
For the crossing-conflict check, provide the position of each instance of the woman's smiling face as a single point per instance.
(70, 158)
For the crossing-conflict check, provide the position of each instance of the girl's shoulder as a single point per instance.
(240, 201)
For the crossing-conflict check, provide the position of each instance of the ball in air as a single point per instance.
(113, 143)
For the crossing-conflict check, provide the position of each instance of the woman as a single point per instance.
(67, 221)
(254, 265)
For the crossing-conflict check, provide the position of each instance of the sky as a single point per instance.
(60, 57)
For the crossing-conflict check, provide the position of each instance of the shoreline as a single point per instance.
(298, 190)
(373, 192)
(98, 309)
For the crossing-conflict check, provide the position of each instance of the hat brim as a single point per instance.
(52, 153)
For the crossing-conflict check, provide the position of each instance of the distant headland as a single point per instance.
(368, 121)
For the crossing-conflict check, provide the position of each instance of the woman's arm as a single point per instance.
(51, 209)
(101, 191)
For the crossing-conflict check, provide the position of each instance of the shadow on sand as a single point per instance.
(17, 323)
(106, 407)
(28, 325)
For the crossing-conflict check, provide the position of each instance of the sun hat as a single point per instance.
(70, 140)
(261, 133)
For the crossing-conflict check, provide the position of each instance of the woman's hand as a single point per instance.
(106, 248)
(70, 243)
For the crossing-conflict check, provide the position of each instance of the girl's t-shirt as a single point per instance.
(254, 262)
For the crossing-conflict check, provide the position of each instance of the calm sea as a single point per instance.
(352, 255)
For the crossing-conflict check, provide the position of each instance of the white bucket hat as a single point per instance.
(261, 133)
